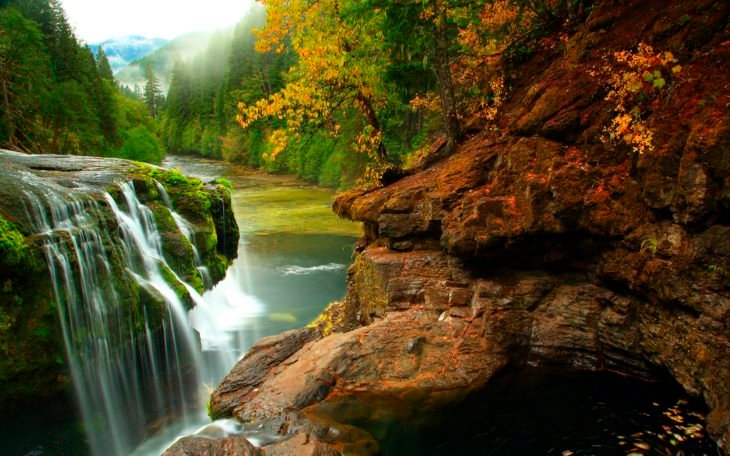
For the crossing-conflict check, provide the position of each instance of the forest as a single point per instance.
(58, 97)
(335, 92)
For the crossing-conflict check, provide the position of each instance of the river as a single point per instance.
(292, 260)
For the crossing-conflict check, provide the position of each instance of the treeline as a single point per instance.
(331, 91)
(339, 89)
(58, 97)
(205, 93)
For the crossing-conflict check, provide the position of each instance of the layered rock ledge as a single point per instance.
(536, 243)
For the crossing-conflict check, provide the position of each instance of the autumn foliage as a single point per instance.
(337, 68)
(355, 61)
(636, 81)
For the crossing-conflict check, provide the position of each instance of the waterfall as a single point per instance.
(132, 369)
(186, 229)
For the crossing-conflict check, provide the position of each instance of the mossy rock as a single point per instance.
(176, 248)
(179, 289)
(31, 359)
(331, 320)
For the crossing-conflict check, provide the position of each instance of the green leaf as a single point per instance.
(659, 83)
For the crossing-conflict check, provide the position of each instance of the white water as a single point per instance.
(128, 376)
(303, 270)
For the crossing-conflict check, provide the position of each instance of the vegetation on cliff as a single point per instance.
(31, 355)
(345, 90)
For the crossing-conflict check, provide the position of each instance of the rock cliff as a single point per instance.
(536, 243)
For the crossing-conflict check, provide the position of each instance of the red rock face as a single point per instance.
(540, 244)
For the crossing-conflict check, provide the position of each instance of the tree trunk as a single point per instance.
(443, 76)
(8, 113)
(367, 108)
(372, 118)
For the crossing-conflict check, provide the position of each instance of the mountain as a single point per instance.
(163, 59)
(122, 51)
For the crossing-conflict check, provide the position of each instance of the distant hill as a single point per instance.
(163, 59)
(122, 51)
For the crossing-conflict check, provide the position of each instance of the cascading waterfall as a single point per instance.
(186, 229)
(128, 373)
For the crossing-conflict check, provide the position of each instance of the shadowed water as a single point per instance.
(538, 412)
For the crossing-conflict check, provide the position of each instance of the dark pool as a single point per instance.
(532, 412)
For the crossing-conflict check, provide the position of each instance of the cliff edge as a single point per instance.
(541, 241)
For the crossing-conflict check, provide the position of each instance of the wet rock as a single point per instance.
(368, 360)
(300, 444)
(205, 446)
(249, 373)
(31, 343)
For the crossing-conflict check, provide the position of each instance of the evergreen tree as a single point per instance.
(56, 97)
(24, 80)
(102, 63)
(152, 92)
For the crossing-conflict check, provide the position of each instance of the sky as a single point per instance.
(97, 20)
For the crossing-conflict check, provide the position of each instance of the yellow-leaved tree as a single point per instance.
(340, 57)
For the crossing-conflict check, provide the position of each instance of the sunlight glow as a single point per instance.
(98, 20)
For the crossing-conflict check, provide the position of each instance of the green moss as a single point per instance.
(332, 319)
(175, 178)
(163, 218)
(28, 322)
(203, 199)
(224, 182)
(197, 203)
(177, 287)
(13, 248)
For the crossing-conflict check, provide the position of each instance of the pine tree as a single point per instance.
(24, 80)
(152, 92)
(102, 63)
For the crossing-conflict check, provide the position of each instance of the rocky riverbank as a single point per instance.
(536, 243)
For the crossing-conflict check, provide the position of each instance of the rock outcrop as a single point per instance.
(37, 190)
(534, 244)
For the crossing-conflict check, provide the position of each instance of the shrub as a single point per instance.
(635, 79)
